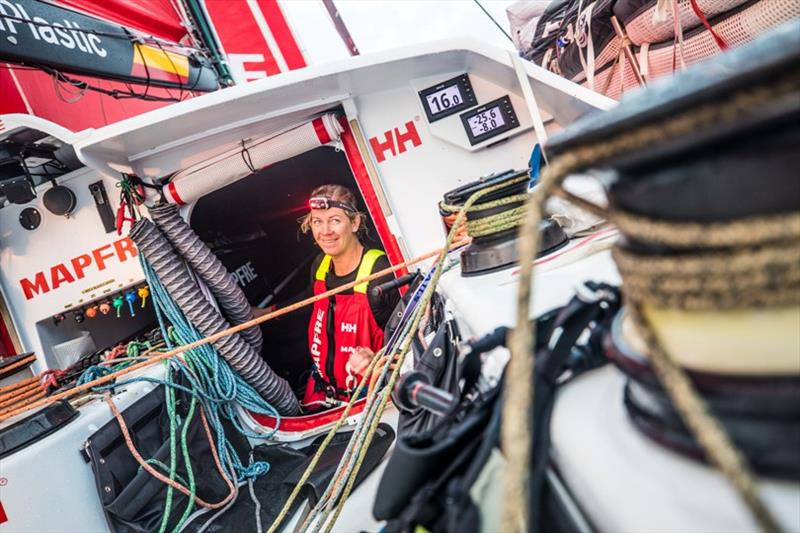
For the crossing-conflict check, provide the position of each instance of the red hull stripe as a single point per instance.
(174, 193)
(322, 133)
(283, 34)
(359, 170)
(3, 516)
(304, 423)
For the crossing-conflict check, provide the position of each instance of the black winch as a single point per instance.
(493, 221)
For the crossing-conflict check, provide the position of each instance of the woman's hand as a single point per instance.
(261, 311)
(360, 358)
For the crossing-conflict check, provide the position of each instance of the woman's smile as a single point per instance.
(333, 231)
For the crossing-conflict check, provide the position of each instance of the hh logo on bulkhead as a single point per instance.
(395, 141)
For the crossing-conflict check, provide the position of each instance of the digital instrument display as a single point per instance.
(447, 98)
(486, 122)
(489, 120)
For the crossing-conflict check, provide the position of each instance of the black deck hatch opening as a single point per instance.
(252, 226)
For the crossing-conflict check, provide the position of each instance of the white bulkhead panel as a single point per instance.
(65, 262)
(418, 161)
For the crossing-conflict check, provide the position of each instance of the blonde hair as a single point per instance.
(339, 193)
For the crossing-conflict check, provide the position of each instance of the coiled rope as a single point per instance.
(24, 391)
(215, 387)
(214, 382)
(516, 432)
(749, 262)
(7, 390)
(491, 224)
(28, 390)
(732, 279)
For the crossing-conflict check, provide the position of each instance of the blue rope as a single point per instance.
(92, 373)
(219, 387)
(210, 379)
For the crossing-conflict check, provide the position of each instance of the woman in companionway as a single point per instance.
(346, 329)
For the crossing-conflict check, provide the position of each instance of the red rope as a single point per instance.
(699, 12)
(115, 352)
(51, 378)
(161, 477)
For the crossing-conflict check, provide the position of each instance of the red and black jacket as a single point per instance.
(338, 325)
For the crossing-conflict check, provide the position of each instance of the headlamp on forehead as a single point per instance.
(323, 202)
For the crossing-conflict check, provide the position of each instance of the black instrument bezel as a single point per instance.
(464, 86)
(507, 112)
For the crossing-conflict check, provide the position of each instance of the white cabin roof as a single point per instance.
(276, 102)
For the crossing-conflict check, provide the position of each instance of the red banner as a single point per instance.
(154, 17)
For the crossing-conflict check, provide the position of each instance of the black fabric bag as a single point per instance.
(559, 362)
(287, 466)
(133, 500)
(573, 36)
(547, 32)
(422, 463)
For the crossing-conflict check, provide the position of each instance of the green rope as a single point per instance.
(496, 223)
(172, 470)
(173, 336)
(173, 459)
(187, 462)
(130, 194)
(136, 348)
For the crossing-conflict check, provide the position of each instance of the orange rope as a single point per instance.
(8, 413)
(30, 395)
(449, 220)
(161, 477)
(28, 360)
(376, 373)
(19, 384)
(18, 392)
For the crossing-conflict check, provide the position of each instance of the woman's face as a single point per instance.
(333, 231)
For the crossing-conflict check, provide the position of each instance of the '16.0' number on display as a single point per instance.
(444, 99)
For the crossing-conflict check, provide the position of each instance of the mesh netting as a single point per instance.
(736, 29)
(606, 56)
(643, 29)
